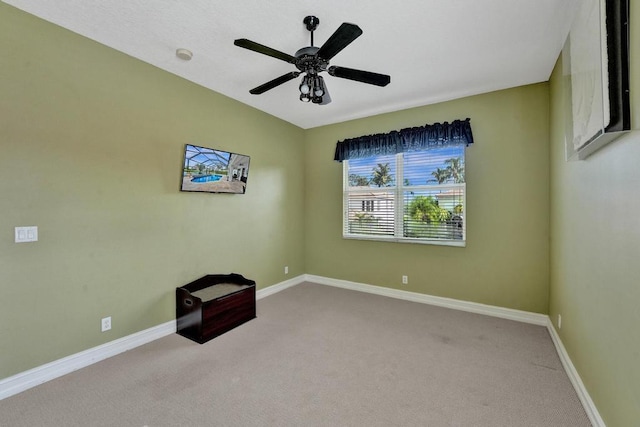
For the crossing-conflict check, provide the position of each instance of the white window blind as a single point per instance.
(412, 197)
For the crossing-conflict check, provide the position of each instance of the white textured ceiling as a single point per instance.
(434, 50)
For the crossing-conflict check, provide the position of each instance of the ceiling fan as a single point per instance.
(312, 60)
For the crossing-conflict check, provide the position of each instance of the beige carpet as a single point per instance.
(322, 356)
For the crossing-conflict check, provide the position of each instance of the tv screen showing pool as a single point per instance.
(208, 170)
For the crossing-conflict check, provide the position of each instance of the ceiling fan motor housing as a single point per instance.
(307, 60)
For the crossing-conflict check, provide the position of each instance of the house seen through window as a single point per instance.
(414, 196)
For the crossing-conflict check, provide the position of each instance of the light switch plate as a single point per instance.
(26, 234)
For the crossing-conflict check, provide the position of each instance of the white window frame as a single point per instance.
(398, 189)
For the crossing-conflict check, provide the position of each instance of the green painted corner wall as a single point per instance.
(595, 273)
(506, 260)
(91, 146)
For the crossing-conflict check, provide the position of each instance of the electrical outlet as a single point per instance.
(559, 321)
(286, 269)
(405, 280)
(106, 324)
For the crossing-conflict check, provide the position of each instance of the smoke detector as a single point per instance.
(184, 54)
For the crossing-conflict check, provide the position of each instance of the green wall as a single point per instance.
(91, 146)
(595, 273)
(506, 260)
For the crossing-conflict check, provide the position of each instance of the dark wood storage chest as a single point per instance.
(213, 305)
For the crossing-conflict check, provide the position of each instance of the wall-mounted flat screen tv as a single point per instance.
(209, 170)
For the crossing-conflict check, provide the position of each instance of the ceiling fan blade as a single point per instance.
(257, 47)
(343, 36)
(275, 82)
(360, 76)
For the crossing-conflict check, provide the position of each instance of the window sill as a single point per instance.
(454, 243)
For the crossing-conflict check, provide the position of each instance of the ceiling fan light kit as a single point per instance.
(312, 60)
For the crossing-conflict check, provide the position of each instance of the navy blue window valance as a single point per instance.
(424, 137)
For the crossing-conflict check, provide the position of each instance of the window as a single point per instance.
(414, 196)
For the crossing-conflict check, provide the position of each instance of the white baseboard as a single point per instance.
(41, 374)
(473, 307)
(574, 377)
(261, 293)
(488, 310)
(36, 376)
